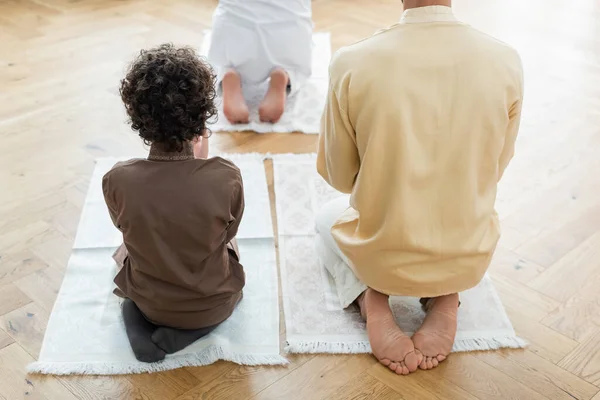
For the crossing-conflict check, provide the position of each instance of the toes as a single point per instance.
(399, 368)
(385, 362)
(426, 363)
(412, 360)
(429, 363)
(419, 355)
(403, 369)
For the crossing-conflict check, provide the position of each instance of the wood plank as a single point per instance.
(584, 361)
(42, 287)
(543, 341)
(511, 238)
(16, 266)
(15, 384)
(13, 241)
(514, 267)
(563, 279)
(26, 325)
(365, 388)
(318, 378)
(165, 385)
(15, 214)
(579, 317)
(422, 385)
(539, 374)
(54, 252)
(232, 381)
(66, 220)
(102, 387)
(551, 245)
(5, 339)
(530, 302)
(482, 380)
(12, 298)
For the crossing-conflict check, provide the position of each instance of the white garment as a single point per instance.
(255, 36)
(348, 286)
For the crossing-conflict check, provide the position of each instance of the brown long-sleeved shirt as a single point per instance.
(178, 215)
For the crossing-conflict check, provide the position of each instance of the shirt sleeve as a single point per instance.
(508, 151)
(109, 199)
(237, 208)
(514, 121)
(338, 161)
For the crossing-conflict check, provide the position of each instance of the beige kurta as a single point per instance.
(178, 216)
(420, 124)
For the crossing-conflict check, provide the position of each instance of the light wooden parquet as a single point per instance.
(60, 64)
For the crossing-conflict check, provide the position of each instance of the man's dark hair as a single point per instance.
(169, 94)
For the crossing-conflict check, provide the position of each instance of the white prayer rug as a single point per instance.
(315, 322)
(303, 109)
(86, 334)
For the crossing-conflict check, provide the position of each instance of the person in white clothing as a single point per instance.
(258, 40)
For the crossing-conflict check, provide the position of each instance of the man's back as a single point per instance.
(433, 109)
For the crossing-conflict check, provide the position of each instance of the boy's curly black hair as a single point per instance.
(169, 94)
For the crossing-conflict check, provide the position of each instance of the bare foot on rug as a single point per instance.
(234, 104)
(272, 107)
(172, 340)
(139, 332)
(389, 344)
(435, 337)
(201, 147)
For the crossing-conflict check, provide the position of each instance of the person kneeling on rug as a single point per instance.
(419, 127)
(178, 210)
(253, 41)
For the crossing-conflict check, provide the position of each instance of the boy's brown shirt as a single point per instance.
(178, 215)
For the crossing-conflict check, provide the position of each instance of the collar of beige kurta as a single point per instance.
(421, 15)
(157, 153)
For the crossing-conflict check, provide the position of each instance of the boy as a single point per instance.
(253, 41)
(178, 210)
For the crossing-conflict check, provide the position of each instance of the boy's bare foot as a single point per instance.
(389, 344)
(435, 337)
(234, 104)
(201, 148)
(273, 104)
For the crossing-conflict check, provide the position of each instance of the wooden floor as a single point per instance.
(60, 65)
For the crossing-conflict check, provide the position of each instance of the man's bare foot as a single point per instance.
(389, 344)
(201, 147)
(435, 337)
(234, 104)
(273, 104)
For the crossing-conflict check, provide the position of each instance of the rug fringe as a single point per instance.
(482, 344)
(294, 347)
(207, 357)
